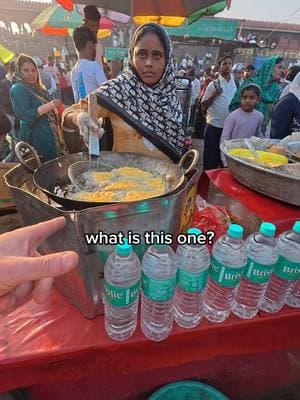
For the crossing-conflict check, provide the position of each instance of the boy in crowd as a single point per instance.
(215, 102)
(92, 19)
(87, 75)
(245, 121)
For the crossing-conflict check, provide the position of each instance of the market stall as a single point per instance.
(57, 353)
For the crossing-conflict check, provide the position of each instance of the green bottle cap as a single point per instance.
(296, 227)
(267, 229)
(124, 250)
(235, 231)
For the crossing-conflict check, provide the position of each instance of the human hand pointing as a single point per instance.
(24, 273)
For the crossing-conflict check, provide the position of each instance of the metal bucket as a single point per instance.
(82, 287)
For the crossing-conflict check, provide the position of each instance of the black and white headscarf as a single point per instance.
(155, 112)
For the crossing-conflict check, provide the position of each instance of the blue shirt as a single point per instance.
(285, 117)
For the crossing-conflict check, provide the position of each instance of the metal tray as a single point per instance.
(274, 183)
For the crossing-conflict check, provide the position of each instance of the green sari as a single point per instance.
(269, 90)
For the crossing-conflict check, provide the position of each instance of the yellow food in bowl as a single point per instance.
(270, 159)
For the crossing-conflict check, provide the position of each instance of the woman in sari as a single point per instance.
(39, 119)
(141, 104)
(267, 80)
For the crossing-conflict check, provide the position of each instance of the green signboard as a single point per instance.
(116, 53)
(207, 27)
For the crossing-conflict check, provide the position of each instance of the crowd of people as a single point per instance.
(142, 114)
(140, 105)
(236, 101)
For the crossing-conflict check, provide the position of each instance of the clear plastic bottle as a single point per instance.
(293, 297)
(227, 264)
(286, 272)
(192, 272)
(262, 252)
(122, 281)
(158, 289)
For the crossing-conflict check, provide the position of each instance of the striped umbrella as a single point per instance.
(58, 19)
(164, 12)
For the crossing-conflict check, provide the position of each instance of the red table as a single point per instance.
(60, 355)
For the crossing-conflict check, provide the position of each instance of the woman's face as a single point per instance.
(29, 73)
(277, 71)
(239, 74)
(149, 59)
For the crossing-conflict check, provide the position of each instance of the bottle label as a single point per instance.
(191, 282)
(287, 270)
(158, 290)
(224, 275)
(258, 273)
(121, 297)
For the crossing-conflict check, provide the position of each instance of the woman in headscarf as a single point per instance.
(286, 113)
(141, 104)
(267, 80)
(238, 72)
(37, 113)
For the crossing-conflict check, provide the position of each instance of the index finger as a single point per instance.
(34, 234)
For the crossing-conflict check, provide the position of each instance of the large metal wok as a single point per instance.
(54, 173)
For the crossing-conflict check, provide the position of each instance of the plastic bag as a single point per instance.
(208, 217)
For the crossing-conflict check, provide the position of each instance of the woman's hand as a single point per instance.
(56, 102)
(87, 125)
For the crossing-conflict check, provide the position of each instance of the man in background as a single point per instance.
(52, 69)
(92, 19)
(215, 102)
(87, 75)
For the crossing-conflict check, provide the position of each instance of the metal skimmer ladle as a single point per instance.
(79, 174)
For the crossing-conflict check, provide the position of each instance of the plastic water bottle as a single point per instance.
(158, 288)
(262, 252)
(192, 273)
(227, 264)
(286, 272)
(122, 280)
(293, 297)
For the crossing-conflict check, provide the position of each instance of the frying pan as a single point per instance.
(54, 173)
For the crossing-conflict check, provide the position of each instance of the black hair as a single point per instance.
(208, 70)
(253, 87)
(5, 125)
(91, 13)
(224, 58)
(279, 60)
(82, 36)
(292, 72)
(150, 28)
(250, 68)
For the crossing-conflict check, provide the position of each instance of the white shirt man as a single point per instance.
(216, 101)
(218, 111)
(87, 75)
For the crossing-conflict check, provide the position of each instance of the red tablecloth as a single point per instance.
(61, 355)
(43, 344)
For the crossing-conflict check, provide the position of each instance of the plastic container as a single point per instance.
(286, 272)
(227, 264)
(122, 280)
(158, 289)
(187, 390)
(192, 273)
(262, 252)
(293, 297)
